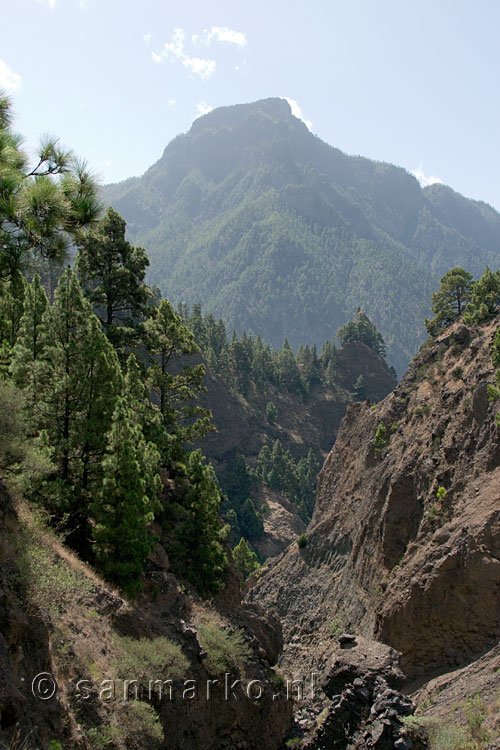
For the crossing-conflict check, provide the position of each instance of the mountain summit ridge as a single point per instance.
(278, 233)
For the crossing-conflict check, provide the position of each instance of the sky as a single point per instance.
(411, 82)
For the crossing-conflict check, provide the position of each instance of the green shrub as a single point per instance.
(336, 627)
(302, 541)
(493, 393)
(433, 513)
(441, 494)
(448, 737)
(225, 650)
(147, 659)
(142, 726)
(457, 372)
(277, 680)
(380, 439)
(135, 725)
(475, 713)
(99, 738)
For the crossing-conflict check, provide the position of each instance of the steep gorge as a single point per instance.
(404, 544)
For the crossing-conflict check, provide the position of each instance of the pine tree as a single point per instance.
(126, 504)
(245, 558)
(485, 298)
(112, 274)
(73, 389)
(198, 553)
(330, 374)
(29, 343)
(170, 342)
(250, 520)
(451, 299)
(359, 389)
(42, 206)
(198, 327)
(11, 311)
(287, 372)
(363, 330)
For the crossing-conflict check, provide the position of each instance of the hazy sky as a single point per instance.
(414, 82)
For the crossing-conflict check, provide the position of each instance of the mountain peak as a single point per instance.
(273, 107)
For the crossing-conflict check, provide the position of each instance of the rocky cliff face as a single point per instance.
(404, 544)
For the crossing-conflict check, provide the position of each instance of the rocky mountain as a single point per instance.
(404, 545)
(283, 235)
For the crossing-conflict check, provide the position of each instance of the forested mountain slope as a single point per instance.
(282, 235)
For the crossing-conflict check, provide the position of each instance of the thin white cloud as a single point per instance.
(9, 81)
(203, 108)
(172, 102)
(220, 34)
(82, 4)
(174, 51)
(199, 66)
(423, 178)
(297, 112)
(108, 163)
(146, 38)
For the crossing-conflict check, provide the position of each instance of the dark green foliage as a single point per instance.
(363, 330)
(380, 440)
(302, 541)
(495, 350)
(451, 299)
(359, 390)
(19, 456)
(495, 355)
(485, 298)
(31, 335)
(175, 381)
(238, 508)
(237, 479)
(329, 362)
(125, 506)
(295, 479)
(112, 274)
(72, 388)
(197, 552)
(250, 520)
(245, 558)
(11, 311)
(249, 362)
(43, 206)
(271, 412)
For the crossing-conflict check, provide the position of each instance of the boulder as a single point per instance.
(363, 660)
